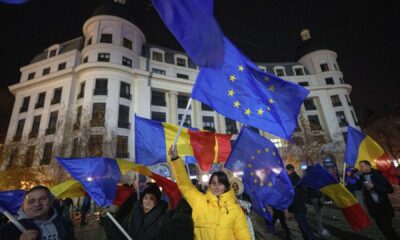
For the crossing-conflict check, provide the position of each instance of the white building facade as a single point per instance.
(101, 80)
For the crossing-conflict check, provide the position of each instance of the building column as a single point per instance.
(196, 114)
(142, 98)
(173, 106)
(221, 123)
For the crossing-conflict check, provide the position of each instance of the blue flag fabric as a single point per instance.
(264, 174)
(14, 1)
(98, 176)
(11, 200)
(235, 88)
(240, 91)
(193, 25)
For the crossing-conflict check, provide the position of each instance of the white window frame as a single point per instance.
(263, 68)
(279, 68)
(176, 56)
(157, 50)
(298, 67)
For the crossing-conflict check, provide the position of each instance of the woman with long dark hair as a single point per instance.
(216, 214)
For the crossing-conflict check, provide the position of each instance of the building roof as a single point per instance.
(112, 8)
(74, 44)
(308, 46)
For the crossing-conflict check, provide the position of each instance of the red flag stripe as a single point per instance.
(356, 217)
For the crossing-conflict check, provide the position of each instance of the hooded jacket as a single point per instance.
(215, 218)
(56, 224)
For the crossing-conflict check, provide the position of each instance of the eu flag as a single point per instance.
(195, 28)
(11, 200)
(229, 82)
(240, 91)
(14, 1)
(98, 176)
(264, 175)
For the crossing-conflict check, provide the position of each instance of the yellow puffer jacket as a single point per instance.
(214, 218)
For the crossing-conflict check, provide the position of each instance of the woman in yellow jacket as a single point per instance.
(216, 215)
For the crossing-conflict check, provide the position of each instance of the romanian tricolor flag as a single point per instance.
(361, 147)
(320, 179)
(153, 139)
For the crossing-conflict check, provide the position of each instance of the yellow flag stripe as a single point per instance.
(183, 144)
(369, 150)
(339, 195)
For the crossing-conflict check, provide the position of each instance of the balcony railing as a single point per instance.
(126, 125)
(127, 96)
(100, 91)
(50, 131)
(55, 101)
(33, 135)
(97, 122)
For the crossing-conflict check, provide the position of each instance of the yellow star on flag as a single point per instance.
(252, 157)
(231, 93)
(259, 151)
(266, 79)
(247, 112)
(273, 153)
(272, 88)
(271, 100)
(251, 174)
(269, 184)
(261, 184)
(260, 112)
(249, 165)
(255, 180)
(236, 104)
(241, 68)
(268, 108)
(266, 150)
(232, 78)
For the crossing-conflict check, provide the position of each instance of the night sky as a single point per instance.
(364, 34)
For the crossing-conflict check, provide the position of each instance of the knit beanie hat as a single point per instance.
(154, 190)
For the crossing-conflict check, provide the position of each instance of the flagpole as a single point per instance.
(137, 187)
(344, 173)
(182, 122)
(14, 221)
(118, 226)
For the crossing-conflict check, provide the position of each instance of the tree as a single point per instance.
(311, 144)
(74, 136)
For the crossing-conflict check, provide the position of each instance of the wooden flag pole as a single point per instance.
(182, 122)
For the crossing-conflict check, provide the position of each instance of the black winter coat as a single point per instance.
(65, 229)
(382, 187)
(298, 205)
(141, 226)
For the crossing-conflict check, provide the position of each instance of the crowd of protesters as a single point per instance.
(223, 211)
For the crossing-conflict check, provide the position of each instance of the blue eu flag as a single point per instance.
(240, 91)
(98, 176)
(264, 174)
(195, 28)
(228, 81)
